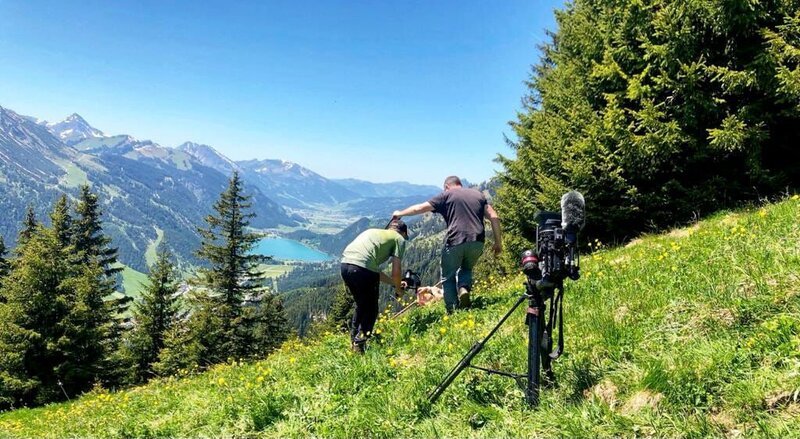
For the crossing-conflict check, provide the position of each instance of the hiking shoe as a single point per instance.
(463, 298)
(359, 347)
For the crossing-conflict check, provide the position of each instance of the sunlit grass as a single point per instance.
(693, 333)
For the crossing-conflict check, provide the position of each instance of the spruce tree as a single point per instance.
(15, 344)
(341, 312)
(227, 245)
(58, 332)
(91, 248)
(37, 302)
(220, 328)
(154, 316)
(61, 221)
(29, 225)
(657, 110)
(90, 331)
(89, 239)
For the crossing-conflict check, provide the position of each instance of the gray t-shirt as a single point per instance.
(463, 211)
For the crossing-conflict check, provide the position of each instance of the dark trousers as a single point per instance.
(363, 285)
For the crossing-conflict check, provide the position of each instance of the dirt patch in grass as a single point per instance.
(724, 317)
(620, 314)
(641, 400)
(606, 391)
(779, 400)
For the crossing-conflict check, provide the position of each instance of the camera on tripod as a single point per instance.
(556, 257)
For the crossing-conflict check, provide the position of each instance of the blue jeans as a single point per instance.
(457, 263)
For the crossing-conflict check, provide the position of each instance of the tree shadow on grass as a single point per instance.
(585, 377)
(483, 301)
(419, 322)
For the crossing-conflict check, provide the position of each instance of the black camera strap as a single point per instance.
(557, 313)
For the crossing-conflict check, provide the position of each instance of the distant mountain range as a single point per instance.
(150, 194)
(295, 186)
(397, 189)
(155, 195)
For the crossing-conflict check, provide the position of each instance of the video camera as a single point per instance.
(556, 257)
(412, 280)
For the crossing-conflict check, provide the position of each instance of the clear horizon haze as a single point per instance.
(378, 91)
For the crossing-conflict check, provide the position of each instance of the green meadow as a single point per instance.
(692, 333)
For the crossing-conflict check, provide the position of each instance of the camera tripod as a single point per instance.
(540, 342)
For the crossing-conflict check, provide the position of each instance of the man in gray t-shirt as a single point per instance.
(463, 210)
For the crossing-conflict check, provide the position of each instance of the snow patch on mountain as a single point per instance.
(73, 130)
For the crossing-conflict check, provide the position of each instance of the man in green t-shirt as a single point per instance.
(361, 262)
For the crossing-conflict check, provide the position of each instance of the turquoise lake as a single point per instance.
(284, 249)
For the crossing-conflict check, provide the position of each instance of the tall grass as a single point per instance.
(693, 333)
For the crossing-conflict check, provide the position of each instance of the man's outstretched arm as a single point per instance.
(413, 210)
(491, 215)
(394, 280)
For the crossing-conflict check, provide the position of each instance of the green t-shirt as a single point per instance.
(373, 247)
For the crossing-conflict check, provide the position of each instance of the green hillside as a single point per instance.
(694, 333)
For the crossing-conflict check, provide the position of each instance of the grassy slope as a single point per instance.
(151, 254)
(133, 282)
(690, 334)
(272, 271)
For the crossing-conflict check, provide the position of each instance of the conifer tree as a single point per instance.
(90, 331)
(341, 312)
(657, 111)
(61, 221)
(154, 316)
(227, 245)
(232, 267)
(89, 240)
(29, 225)
(58, 332)
(91, 248)
(221, 327)
(15, 343)
(264, 326)
(37, 303)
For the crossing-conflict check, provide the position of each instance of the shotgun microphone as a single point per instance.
(573, 211)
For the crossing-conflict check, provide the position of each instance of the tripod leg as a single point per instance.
(546, 348)
(465, 361)
(534, 353)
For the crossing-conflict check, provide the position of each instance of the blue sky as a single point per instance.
(376, 90)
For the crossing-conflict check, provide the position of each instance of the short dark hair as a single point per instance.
(452, 180)
(398, 226)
